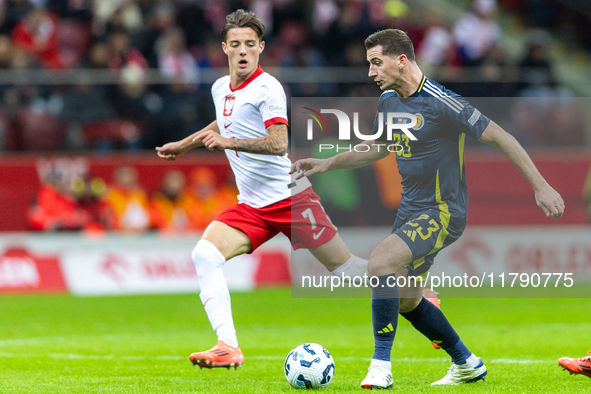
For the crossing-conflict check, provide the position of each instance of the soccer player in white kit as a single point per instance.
(251, 127)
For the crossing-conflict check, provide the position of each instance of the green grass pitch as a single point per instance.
(140, 344)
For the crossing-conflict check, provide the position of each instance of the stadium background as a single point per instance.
(89, 88)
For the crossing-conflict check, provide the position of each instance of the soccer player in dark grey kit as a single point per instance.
(434, 205)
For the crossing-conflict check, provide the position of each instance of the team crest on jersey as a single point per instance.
(420, 122)
(229, 105)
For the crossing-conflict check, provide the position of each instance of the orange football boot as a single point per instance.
(431, 296)
(577, 365)
(219, 356)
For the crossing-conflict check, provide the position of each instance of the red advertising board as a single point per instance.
(499, 194)
(20, 175)
(24, 272)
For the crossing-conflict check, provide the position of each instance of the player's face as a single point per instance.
(384, 69)
(243, 49)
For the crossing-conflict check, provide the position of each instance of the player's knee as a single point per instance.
(382, 266)
(205, 254)
(377, 267)
(409, 304)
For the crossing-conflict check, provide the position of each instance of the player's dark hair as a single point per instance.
(241, 18)
(394, 42)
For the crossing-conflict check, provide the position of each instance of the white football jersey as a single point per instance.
(245, 113)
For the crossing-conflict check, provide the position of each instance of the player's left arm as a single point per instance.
(546, 197)
(273, 144)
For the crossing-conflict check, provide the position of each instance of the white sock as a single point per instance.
(471, 362)
(355, 266)
(214, 290)
(382, 363)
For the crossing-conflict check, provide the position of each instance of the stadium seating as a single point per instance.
(113, 130)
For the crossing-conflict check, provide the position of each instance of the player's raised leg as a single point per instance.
(335, 256)
(308, 226)
(386, 259)
(219, 243)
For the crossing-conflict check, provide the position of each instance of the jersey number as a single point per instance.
(310, 216)
(403, 148)
(430, 230)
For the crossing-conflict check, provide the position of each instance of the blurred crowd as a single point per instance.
(181, 38)
(183, 203)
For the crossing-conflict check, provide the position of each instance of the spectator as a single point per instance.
(174, 61)
(132, 101)
(54, 208)
(292, 50)
(347, 28)
(74, 10)
(434, 47)
(86, 102)
(491, 74)
(203, 201)
(211, 56)
(98, 56)
(83, 104)
(167, 210)
(89, 194)
(179, 115)
(323, 15)
(191, 18)
(113, 15)
(6, 52)
(161, 19)
(128, 201)
(122, 54)
(535, 69)
(476, 32)
(37, 34)
(182, 38)
(12, 12)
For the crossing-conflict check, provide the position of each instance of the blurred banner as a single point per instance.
(117, 264)
(22, 176)
(150, 263)
(499, 195)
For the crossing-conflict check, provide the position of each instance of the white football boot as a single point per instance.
(379, 375)
(457, 375)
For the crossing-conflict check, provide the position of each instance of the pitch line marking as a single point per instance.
(41, 340)
(72, 356)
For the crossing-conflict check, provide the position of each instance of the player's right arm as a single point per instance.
(342, 161)
(171, 150)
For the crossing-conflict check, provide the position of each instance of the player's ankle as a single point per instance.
(381, 363)
(471, 362)
(229, 338)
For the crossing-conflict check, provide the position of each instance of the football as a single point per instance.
(309, 366)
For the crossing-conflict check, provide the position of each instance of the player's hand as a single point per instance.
(550, 201)
(307, 167)
(211, 140)
(171, 150)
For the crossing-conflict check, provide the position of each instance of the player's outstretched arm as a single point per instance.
(342, 161)
(172, 150)
(546, 197)
(273, 144)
